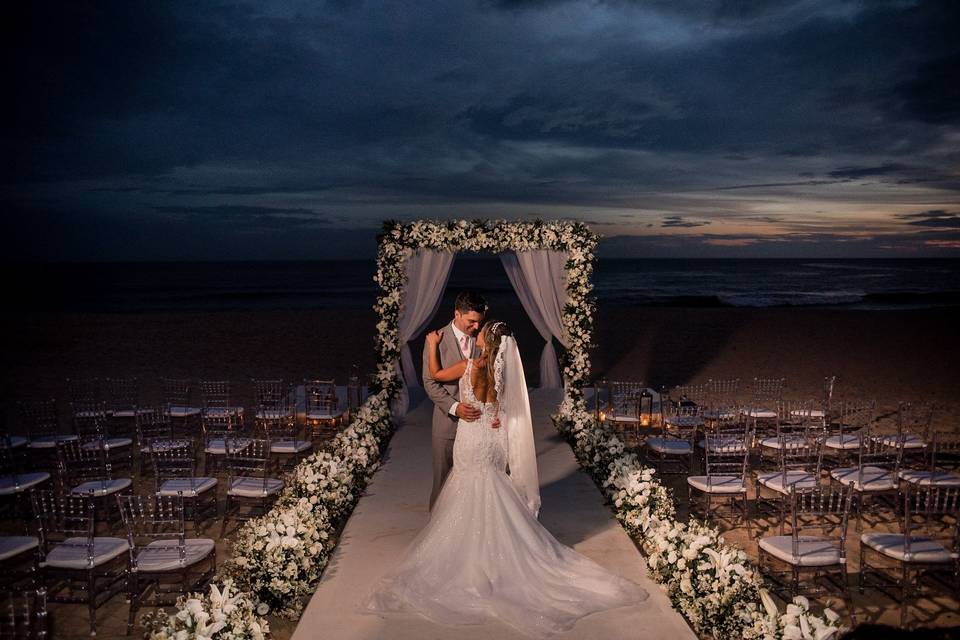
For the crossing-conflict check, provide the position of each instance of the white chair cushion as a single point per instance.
(164, 444)
(324, 415)
(630, 419)
(217, 446)
(669, 446)
(910, 441)
(811, 413)
(845, 442)
(89, 414)
(811, 551)
(102, 487)
(129, 413)
(21, 482)
(11, 546)
(930, 478)
(14, 442)
(760, 412)
(724, 445)
(72, 553)
(717, 484)
(273, 414)
(893, 545)
(182, 412)
(714, 414)
(874, 478)
(776, 481)
(164, 555)
(255, 487)
(49, 442)
(790, 442)
(109, 443)
(684, 421)
(191, 487)
(290, 446)
(223, 411)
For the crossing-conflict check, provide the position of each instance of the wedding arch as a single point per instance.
(548, 263)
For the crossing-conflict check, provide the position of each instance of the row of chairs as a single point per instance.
(66, 560)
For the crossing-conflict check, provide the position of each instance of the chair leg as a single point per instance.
(92, 600)
(904, 594)
(134, 591)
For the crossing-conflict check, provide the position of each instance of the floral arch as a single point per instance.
(402, 243)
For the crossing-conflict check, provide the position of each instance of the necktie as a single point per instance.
(465, 346)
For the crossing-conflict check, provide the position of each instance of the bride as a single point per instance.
(484, 554)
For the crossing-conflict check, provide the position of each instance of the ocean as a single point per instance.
(869, 284)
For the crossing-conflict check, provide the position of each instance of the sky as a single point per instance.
(290, 130)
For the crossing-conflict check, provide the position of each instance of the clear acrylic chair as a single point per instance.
(726, 466)
(164, 563)
(721, 394)
(40, 420)
(85, 391)
(16, 481)
(914, 421)
(78, 566)
(801, 461)
(926, 547)
(175, 473)
(122, 400)
(87, 472)
(854, 417)
(217, 429)
(672, 450)
(793, 426)
(154, 428)
(216, 398)
(323, 413)
(875, 477)
(92, 424)
(251, 480)
(623, 408)
(821, 558)
(940, 467)
(23, 614)
(177, 397)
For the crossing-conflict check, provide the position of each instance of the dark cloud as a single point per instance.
(680, 222)
(266, 115)
(936, 218)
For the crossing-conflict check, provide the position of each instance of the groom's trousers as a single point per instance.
(442, 463)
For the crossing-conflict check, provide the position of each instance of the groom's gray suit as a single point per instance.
(443, 395)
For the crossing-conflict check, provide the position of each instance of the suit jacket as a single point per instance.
(444, 394)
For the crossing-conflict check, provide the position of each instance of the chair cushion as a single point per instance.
(910, 441)
(790, 442)
(49, 442)
(102, 487)
(721, 414)
(717, 484)
(128, 413)
(89, 414)
(930, 478)
(893, 545)
(164, 555)
(811, 551)
(217, 446)
(273, 414)
(15, 442)
(811, 413)
(724, 445)
(11, 546)
(684, 421)
(845, 442)
(874, 478)
(290, 446)
(324, 415)
(191, 487)
(72, 553)
(254, 487)
(109, 443)
(222, 411)
(182, 412)
(21, 482)
(759, 412)
(777, 482)
(631, 419)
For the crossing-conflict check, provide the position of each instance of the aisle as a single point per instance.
(394, 508)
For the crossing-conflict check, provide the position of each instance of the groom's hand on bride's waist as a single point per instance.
(467, 413)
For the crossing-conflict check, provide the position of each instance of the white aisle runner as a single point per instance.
(394, 509)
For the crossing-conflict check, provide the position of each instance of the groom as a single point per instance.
(458, 342)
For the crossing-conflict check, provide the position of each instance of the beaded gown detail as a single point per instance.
(484, 555)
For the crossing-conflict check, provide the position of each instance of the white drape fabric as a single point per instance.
(538, 279)
(427, 275)
(515, 416)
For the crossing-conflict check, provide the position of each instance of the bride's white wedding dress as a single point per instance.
(484, 554)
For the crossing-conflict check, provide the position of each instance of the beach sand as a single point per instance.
(886, 355)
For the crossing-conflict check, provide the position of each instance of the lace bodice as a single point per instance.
(478, 445)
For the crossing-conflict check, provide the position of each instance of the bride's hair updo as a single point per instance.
(494, 333)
